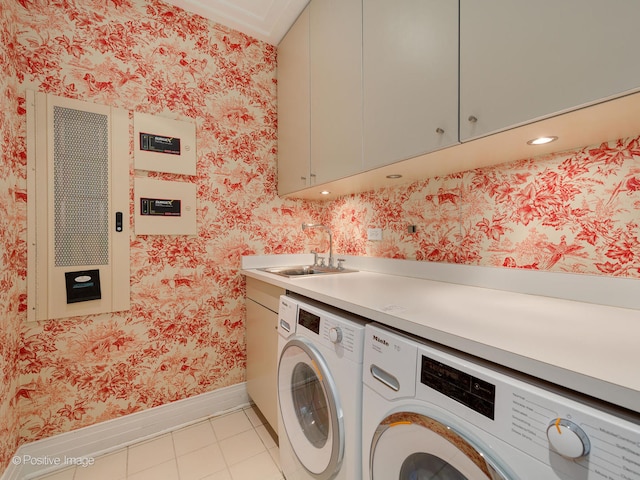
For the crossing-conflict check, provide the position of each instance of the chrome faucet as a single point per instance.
(328, 230)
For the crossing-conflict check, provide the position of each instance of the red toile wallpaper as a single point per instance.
(574, 212)
(12, 237)
(184, 334)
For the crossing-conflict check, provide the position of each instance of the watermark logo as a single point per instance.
(46, 461)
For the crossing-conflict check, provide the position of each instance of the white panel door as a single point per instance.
(336, 88)
(262, 360)
(410, 72)
(78, 208)
(294, 144)
(522, 60)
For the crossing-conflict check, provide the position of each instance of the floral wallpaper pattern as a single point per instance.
(184, 334)
(573, 212)
(12, 238)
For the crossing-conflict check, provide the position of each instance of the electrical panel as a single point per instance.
(77, 207)
(164, 145)
(164, 207)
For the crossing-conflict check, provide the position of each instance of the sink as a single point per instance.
(304, 270)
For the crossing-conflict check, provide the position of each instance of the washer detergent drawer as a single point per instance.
(389, 365)
(287, 316)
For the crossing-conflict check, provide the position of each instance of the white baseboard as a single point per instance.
(113, 434)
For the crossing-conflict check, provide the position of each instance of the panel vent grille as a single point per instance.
(81, 187)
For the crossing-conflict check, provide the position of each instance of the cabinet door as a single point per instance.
(410, 78)
(336, 88)
(521, 60)
(293, 108)
(262, 360)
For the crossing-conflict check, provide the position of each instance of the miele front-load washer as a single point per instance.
(319, 391)
(431, 413)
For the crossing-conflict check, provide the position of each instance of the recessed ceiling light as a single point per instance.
(325, 192)
(394, 176)
(542, 140)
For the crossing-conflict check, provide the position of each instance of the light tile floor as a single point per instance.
(233, 446)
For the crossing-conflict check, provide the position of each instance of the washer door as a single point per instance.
(310, 409)
(410, 446)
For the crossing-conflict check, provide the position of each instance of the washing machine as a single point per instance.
(431, 413)
(319, 391)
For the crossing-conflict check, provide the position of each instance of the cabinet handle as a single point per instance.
(472, 119)
(439, 131)
(312, 175)
(303, 178)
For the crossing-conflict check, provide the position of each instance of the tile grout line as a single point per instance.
(175, 453)
(126, 465)
(226, 465)
(253, 417)
(254, 429)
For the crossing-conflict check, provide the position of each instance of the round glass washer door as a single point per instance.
(310, 409)
(411, 446)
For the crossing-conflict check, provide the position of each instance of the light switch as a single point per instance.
(374, 234)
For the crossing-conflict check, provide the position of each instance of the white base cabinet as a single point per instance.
(262, 347)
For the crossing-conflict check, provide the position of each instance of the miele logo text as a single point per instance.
(381, 340)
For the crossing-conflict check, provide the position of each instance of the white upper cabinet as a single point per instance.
(336, 88)
(521, 60)
(410, 78)
(293, 108)
(363, 84)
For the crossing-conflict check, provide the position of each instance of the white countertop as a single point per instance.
(590, 348)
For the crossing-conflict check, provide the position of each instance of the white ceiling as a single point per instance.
(266, 20)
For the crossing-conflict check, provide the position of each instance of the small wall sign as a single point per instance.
(83, 285)
(164, 207)
(159, 143)
(160, 207)
(163, 144)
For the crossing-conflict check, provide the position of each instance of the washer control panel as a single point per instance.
(575, 438)
(473, 392)
(329, 327)
(578, 438)
(568, 439)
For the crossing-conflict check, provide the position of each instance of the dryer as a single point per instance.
(432, 413)
(319, 391)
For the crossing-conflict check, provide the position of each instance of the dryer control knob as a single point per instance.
(568, 439)
(335, 334)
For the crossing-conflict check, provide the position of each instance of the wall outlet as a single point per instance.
(374, 234)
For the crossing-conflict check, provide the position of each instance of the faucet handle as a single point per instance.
(321, 259)
(340, 262)
(315, 258)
